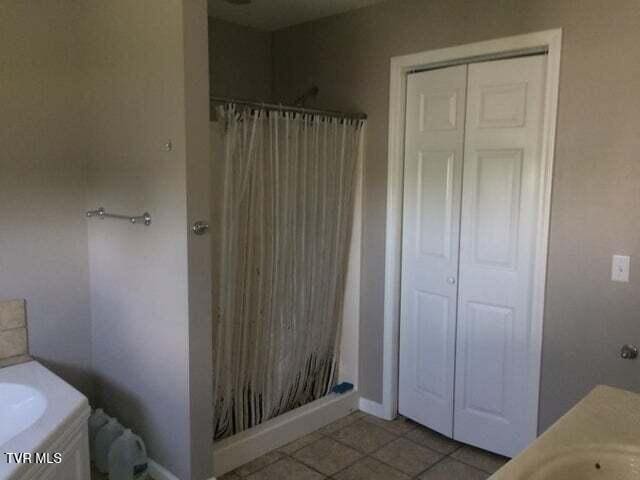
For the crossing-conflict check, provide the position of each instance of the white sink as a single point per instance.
(594, 462)
(20, 407)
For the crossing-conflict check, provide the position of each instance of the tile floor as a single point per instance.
(362, 447)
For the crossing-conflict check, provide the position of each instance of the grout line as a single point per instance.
(469, 464)
(372, 458)
(472, 466)
(431, 466)
(318, 471)
(429, 448)
(405, 473)
(362, 454)
(356, 449)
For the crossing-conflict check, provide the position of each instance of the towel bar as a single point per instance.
(102, 214)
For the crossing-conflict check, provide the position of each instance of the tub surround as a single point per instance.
(606, 420)
(8, 362)
(14, 346)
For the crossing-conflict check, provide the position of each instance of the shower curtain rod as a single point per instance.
(286, 108)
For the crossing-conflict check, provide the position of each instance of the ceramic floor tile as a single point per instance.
(259, 463)
(341, 423)
(300, 443)
(487, 461)
(327, 456)
(364, 436)
(399, 426)
(407, 456)
(449, 469)
(286, 469)
(433, 440)
(370, 469)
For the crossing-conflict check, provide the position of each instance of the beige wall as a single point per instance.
(596, 199)
(43, 232)
(90, 92)
(142, 86)
(239, 61)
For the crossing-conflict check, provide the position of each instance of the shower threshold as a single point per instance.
(234, 451)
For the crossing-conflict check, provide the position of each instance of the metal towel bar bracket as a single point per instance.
(102, 214)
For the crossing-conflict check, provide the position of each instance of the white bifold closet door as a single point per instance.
(469, 249)
(430, 240)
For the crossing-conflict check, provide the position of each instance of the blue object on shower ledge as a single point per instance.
(343, 387)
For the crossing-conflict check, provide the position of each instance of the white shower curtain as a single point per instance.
(284, 192)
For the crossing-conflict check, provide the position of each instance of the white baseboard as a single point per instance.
(246, 446)
(373, 408)
(158, 472)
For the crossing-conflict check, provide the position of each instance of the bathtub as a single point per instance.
(43, 426)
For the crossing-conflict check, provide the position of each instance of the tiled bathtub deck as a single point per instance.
(361, 447)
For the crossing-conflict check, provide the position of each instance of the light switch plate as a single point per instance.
(620, 268)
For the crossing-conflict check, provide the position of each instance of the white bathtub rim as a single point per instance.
(55, 444)
(67, 412)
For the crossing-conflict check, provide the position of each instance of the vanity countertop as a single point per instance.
(606, 419)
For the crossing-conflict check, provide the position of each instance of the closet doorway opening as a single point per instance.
(478, 218)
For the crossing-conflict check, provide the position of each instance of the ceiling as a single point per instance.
(275, 14)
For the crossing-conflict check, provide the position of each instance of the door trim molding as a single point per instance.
(549, 40)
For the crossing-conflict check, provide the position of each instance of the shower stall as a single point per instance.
(286, 209)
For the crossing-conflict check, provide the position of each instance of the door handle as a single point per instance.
(200, 228)
(451, 280)
(629, 352)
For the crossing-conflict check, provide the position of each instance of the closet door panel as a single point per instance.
(431, 217)
(498, 224)
(497, 189)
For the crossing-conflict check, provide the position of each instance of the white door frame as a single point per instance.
(549, 40)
